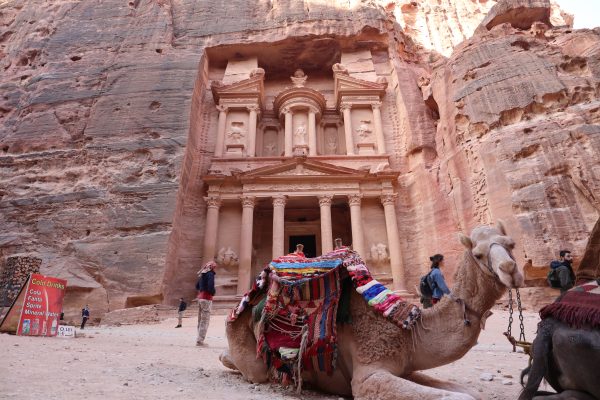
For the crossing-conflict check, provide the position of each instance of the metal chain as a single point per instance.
(522, 334)
(510, 312)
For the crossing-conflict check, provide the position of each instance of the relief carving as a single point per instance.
(339, 69)
(299, 78)
(300, 134)
(331, 143)
(364, 131)
(227, 257)
(236, 132)
(270, 148)
(379, 253)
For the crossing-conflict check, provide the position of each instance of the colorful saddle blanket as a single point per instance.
(295, 323)
(578, 307)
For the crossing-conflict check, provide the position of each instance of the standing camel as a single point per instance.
(378, 360)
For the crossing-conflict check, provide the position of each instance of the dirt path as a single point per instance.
(160, 362)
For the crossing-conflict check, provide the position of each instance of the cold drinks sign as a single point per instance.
(36, 311)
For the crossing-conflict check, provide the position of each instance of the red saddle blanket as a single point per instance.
(578, 307)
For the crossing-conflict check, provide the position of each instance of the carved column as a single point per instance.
(378, 128)
(326, 232)
(391, 226)
(245, 268)
(288, 132)
(348, 128)
(356, 220)
(212, 228)
(279, 225)
(221, 131)
(312, 133)
(253, 110)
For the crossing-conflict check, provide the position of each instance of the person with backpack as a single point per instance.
(435, 279)
(180, 310)
(561, 273)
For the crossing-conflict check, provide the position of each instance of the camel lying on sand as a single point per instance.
(378, 360)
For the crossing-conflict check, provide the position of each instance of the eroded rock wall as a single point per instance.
(103, 122)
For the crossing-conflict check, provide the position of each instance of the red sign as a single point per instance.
(42, 305)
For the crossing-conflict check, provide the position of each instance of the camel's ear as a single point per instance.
(466, 241)
(500, 226)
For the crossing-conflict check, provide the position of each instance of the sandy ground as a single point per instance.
(160, 362)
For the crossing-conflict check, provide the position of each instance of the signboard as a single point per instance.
(65, 331)
(36, 310)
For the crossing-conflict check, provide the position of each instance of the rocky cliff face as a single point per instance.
(100, 104)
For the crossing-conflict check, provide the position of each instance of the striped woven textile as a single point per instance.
(302, 297)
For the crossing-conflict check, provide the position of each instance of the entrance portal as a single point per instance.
(309, 242)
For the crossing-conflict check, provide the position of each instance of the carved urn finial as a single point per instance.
(299, 78)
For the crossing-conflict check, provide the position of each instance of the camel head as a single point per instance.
(491, 249)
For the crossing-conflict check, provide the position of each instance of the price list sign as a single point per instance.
(42, 304)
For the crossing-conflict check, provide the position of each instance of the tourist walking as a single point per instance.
(85, 315)
(206, 290)
(436, 278)
(180, 310)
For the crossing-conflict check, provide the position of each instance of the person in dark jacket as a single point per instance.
(206, 290)
(436, 279)
(561, 272)
(180, 310)
(85, 315)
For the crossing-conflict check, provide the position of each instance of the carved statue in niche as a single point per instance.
(299, 78)
(363, 130)
(271, 148)
(379, 253)
(300, 134)
(331, 143)
(236, 132)
(227, 258)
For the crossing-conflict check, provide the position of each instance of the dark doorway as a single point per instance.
(309, 242)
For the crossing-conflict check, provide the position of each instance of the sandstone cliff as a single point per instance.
(101, 105)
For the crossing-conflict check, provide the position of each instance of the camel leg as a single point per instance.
(566, 395)
(378, 384)
(426, 380)
(242, 350)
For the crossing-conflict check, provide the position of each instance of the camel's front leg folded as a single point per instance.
(379, 384)
(426, 380)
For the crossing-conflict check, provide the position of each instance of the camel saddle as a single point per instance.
(297, 301)
(578, 307)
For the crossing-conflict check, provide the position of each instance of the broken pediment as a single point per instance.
(244, 90)
(346, 85)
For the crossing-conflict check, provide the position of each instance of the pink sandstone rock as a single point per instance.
(107, 126)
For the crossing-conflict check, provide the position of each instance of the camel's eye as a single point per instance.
(478, 256)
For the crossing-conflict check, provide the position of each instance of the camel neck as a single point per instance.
(441, 335)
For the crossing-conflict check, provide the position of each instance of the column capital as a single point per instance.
(286, 110)
(354, 199)
(213, 201)
(345, 106)
(325, 200)
(376, 105)
(388, 199)
(253, 107)
(248, 201)
(279, 200)
(222, 108)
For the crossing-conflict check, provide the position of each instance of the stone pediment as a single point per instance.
(346, 85)
(247, 89)
(301, 167)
